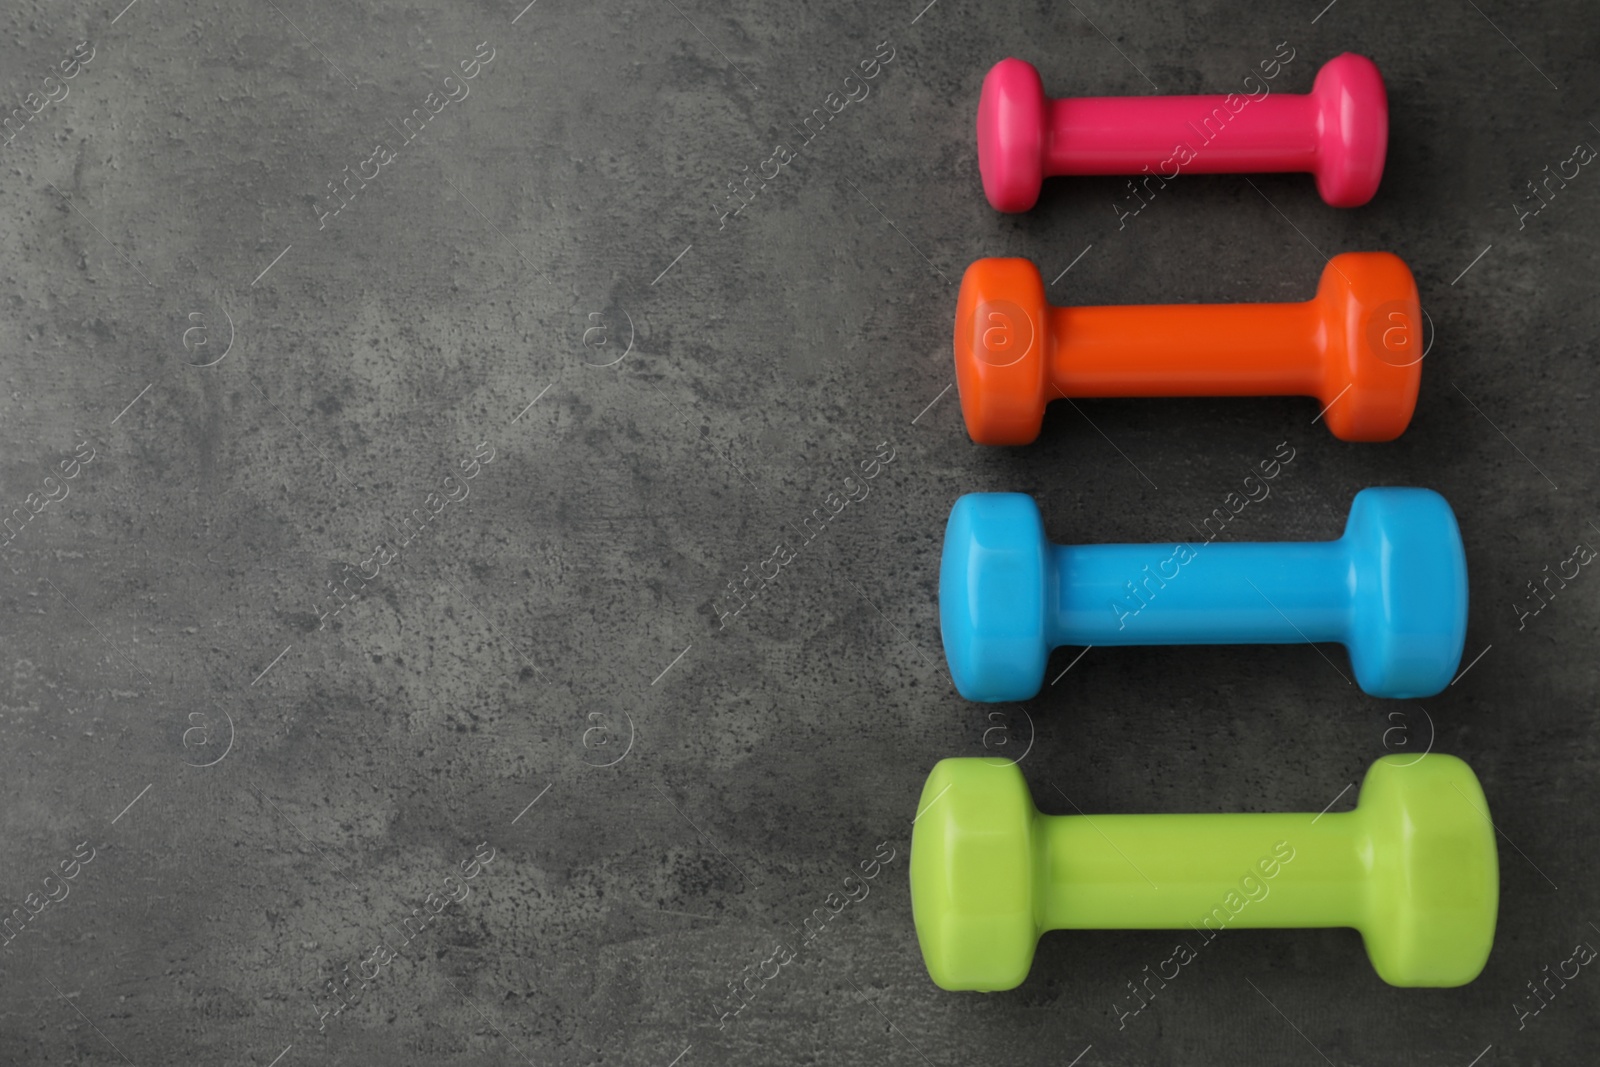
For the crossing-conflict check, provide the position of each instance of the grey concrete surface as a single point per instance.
(399, 538)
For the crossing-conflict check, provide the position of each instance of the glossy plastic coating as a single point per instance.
(1413, 867)
(1339, 132)
(1393, 590)
(1356, 346)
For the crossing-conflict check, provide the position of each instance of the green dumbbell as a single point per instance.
(1413, 868)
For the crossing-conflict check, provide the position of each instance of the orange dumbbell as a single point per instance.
(1356, 347)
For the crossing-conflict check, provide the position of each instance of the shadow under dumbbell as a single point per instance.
(1160, 429)
(1153, 673)
(1139, 974)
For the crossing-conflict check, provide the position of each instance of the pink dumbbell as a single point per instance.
(1339, 132)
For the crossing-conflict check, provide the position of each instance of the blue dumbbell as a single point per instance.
(1393, 590)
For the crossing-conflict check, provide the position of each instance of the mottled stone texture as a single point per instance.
(447, 527)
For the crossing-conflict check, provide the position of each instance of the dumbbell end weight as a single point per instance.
(993, 578)
(1002, 350)
(1339, 132)
(1370, 319)
(1012, 133)
(1352, 109)
(972, 875)
(1413, 867)
(1435, 873)
(1408, 615)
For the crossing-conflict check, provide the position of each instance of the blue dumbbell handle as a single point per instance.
(1211, 594)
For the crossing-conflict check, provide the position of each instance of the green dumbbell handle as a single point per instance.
(1157, 872)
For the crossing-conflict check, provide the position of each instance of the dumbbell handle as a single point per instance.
(1139, 872)
(1125, 134)
(1188, 350)
(1278, 592)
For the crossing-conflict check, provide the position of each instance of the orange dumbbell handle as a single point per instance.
(1188, 350)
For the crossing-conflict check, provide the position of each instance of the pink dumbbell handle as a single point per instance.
(1124, 135)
